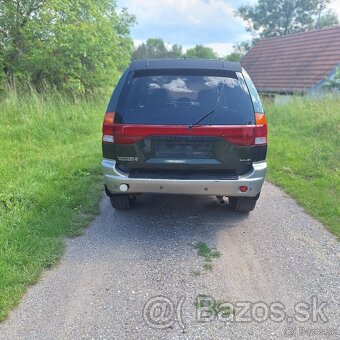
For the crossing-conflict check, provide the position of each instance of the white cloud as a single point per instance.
(194, 20)
(187, 22)
(199, 10)
(137, 42)
(222, 49)
(190, 22)
(335, 6)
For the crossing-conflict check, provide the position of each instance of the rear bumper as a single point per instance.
(253, 180)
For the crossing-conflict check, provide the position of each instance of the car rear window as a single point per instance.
(184, 97)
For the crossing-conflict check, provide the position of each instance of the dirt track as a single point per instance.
(128, 259)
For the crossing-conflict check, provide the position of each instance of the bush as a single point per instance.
(76, 46)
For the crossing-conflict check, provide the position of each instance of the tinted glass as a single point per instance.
(179, 98)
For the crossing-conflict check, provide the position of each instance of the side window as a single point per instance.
(116, 92)
(253, 92)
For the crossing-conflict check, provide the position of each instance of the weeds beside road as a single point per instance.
(304, 155)
(50, 183)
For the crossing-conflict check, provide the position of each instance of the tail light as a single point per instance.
(108, 127)
(260, 129)
(236, 134)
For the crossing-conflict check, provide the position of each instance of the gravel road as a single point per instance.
(136, 275)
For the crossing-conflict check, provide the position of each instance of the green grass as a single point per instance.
(304, 155)
(50, 176)
(50, 183)
(208, 254)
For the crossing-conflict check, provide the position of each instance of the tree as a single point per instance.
(334, 82)
(200, 51)
(327, 19)
(271, 18)
(239, 50)
(154, 48)
(78, 45)
(176, 51)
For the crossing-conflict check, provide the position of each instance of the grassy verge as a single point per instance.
(50, 176)
(304, 155)
(50, 183)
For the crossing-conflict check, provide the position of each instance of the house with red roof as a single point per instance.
(298, 63)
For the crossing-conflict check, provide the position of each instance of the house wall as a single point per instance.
(282, 99)
(278, 99)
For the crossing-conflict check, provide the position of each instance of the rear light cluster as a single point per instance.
(108, 127)
(260, 129)
(236, 134)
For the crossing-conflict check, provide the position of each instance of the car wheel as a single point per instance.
(242, 204)
(122, 202)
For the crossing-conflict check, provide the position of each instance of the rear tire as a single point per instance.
(242, 204)
(122, 202)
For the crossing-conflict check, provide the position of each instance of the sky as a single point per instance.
(189, 22)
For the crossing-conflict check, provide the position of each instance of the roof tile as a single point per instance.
(294, 62)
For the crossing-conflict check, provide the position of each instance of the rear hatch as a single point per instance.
(185, 124)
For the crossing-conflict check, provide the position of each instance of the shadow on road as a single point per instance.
(167, 221)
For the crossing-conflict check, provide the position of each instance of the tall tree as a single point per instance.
(152, 48)
(239, 50)
(176, 51)
(155, 48)
(272, 18)
(77, 45)
(200, 51)
(327, 19)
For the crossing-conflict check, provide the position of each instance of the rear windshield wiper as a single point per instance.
(210, 112)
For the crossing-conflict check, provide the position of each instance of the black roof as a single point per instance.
(201, 64)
